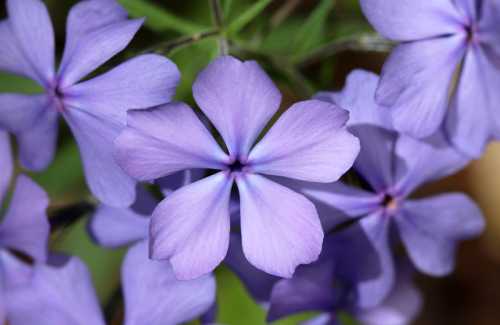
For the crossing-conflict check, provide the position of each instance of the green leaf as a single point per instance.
(159, 19)
(311, 33)
(16, 84)
(246, 17)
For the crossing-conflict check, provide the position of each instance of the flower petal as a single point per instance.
(358, 98)
(142, 82)
(25, 226)
(308, 143)
(259, 284)
(238, 98)
(35, 45)
(422, 161)
(277, 237)
(85, 18)
(95, 136)
(115, 227)
(170, 183)
(20, 112)
(431, 228)
(416, 80)
(154, 296)
(6, 162)
(161, 141)
(37, 144)
(470, 130)
(191, 227)
(408, 20)
(95, 47)
(56, 296)
(374, 290)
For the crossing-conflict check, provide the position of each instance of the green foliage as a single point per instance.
(246, 17)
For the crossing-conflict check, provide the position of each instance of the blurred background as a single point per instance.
(306, 46)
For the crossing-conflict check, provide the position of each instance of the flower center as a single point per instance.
(236, 166)
(472, 35)
(57, 97)
(390, 203)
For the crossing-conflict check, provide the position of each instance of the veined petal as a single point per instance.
(238, 98)
(358, 98)
(277, 237)
(95, 48)
(408, 20)
(422, 161)
(25, 226)
(191, 227)
(416, 81)
(142, 82)
(470, 130)
(56, 296)
(37, 144)
(308, 142)
(19, 112)
(6, 163)
(170, 183)
(154, 296)
(374, 290)
(105, 178)
(86, 17)
(36, 45)
(115, 227)
(431, 229)
(161, 141)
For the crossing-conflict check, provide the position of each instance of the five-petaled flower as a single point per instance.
(94, 109)
(439, 39)
(280, 228)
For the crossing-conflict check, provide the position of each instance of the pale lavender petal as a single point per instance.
(310, 289)
(358, 98)
(470, 130)
(431, 229)
(142, 82)
(12, 58)
(25, 226)
(277, 237)
(400, 308)
(115, 227)
(56, 296)
(416, 81)
(6, 162)
(95, 136)
(308, 142)
(471, 9)
(258, 283)
(191, 227)
(155, 143)
(322, 319)
(238, 98)
(407, 20)
(94, 48)
(37, 144)
(372, 291)
(170, 183)
(85, 18)
(422, 161)
(36, 45)
(19, 112)
(154, 296)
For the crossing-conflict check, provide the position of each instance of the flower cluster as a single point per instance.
(246, 184)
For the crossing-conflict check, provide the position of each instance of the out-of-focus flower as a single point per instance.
(24, 228)
(94, 109)
(393, 166)
(152, 293)
(280, 228)
(439, 38)
(6, 163)
(331, 286)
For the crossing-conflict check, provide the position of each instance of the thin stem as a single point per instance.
(364, 43)
(169, 46)
(218, 16)
(283, 12)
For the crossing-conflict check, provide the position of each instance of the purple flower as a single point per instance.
(331, 285)
(152, 293)
(6, 163)
(94, 109)
(280, 228)
(437, 39)
(394, 165)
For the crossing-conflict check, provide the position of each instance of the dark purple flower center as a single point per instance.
(236, 166)
(390, 203)
(471, 31)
